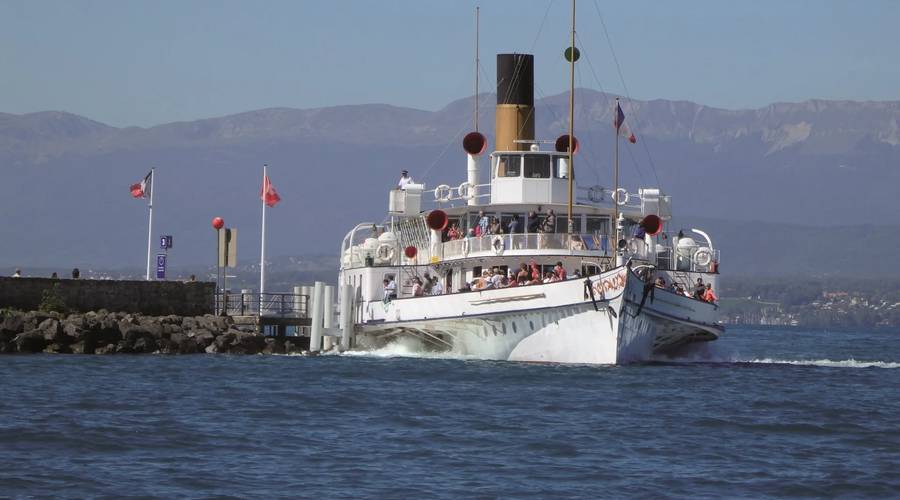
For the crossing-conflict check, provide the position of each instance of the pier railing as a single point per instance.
(267, 304)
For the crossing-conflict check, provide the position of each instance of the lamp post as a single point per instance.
(218, 223)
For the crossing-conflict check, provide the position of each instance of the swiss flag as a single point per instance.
(269, 196)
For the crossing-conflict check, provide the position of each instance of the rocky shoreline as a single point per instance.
(104, 332)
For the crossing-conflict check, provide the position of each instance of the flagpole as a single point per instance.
(150, 223)
(262, 253)
(616, 191)
(571, 148)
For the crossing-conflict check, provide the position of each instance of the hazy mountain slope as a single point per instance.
(64, 194)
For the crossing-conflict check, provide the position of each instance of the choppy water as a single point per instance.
(766, 413)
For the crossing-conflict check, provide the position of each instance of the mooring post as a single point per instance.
(318, 310)
(347, 295)
(329, 318)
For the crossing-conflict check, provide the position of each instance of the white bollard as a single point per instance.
(318, 303)
(307, 291)
(328, 321)
(348, 293)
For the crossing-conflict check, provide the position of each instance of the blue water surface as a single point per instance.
(761, 413)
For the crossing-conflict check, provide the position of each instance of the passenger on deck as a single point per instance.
(390, 289)
(418, 289)
(661, 283)
(484, 224)
(454, 233)
(699, 289)
(534, 222)
(496, 228)
(560, 271)
(427, 284)
(513, 226)
(496, 278)
(709, 295)
(437, 288)
(405, 180)
(512, 279)
(522, 275)
(535, 273)
(549, 277)
(549, 224)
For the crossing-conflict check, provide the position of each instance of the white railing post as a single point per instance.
(318, 309)
(347, 295)
(329, 318)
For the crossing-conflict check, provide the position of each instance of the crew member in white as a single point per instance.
(390, 289)
(404, 180)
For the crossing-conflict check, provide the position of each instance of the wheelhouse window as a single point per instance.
(537, 166)
(509, 165)
(597, 225)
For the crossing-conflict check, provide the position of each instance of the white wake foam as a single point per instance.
(406, 348)
(846, 363)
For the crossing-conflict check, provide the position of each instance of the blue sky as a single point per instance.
(145, 63)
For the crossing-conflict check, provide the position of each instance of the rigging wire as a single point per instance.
(607, 106)
(625, 87)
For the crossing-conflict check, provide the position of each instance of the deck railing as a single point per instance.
(266, 304)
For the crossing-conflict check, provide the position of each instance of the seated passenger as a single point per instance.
(536, 276)
(496, 277)
(437, 288)
(523, 273)
(709, 295)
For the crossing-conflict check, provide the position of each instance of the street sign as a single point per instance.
(227, 247)
(160, 266)
(165, 242)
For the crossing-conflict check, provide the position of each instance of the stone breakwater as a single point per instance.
(104, 332)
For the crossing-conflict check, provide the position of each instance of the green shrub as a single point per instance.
(52, 300)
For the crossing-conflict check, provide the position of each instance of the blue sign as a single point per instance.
(160, 266)
(165, 242)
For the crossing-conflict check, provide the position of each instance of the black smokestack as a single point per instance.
(515, 101)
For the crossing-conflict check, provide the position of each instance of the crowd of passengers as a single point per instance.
(699, 291)
(489, 279)
(487, 225)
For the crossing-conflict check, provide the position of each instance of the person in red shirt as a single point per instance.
(535, 273)
(709, 295)
(560, 271)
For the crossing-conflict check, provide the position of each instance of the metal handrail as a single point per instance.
(267, 304)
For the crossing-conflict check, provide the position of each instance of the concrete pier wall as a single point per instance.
(156, 298)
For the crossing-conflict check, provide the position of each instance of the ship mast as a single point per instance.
(572, 57)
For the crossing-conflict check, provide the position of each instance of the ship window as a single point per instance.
(537, 166)
(509, 165)
(597, 225)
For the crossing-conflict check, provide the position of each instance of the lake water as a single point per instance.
(761, 413)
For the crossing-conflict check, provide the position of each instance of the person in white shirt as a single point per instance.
(496, 278)
(437, 288)
(390, 289)
(405, 179)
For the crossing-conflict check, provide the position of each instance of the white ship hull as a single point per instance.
(552, 323)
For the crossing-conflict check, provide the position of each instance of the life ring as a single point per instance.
(465, 191)
(442, 193)
(465, 247)
(620, 196)
(498, 245)
(385, 252)
(703, 257)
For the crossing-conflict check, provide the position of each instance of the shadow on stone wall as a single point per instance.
(155, 298)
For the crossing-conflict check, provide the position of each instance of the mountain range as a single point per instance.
(815, 165)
